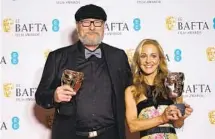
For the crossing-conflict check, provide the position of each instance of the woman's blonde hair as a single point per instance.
(138, 75)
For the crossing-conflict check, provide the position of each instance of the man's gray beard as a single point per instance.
(91, 42)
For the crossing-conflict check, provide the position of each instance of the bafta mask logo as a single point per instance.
(7, 23)
(211, 116)
(130, 53)
(46, 53)
(175, 82)
(210, 51)
(8, 87)
(170, 22)
(72, 78)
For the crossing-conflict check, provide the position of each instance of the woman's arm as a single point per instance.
(134, 123)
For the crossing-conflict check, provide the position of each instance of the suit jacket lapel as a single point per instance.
(72, 58)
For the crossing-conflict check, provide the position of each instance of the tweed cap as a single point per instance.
(90, 11)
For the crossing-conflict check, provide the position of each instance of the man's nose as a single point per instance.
(92, 27)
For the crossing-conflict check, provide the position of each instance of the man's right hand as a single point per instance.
(63, 93)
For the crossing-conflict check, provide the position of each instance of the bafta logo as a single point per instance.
(7, 23)
(8, 89)
(46, 53)
(170, 23)
(130, 53)
(210, 51)
(211, 116)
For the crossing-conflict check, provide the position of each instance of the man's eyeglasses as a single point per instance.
(87, 23)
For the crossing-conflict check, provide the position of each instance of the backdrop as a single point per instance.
(32, 28)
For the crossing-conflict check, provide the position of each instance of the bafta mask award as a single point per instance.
(175, 82)
(72, 78)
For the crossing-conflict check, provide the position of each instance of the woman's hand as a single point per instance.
(180, 122)
(171, 113)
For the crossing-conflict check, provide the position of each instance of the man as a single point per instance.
(97, 109)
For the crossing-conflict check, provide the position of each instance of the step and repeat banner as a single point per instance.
(30, 29)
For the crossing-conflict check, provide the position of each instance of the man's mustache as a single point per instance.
(90, 33)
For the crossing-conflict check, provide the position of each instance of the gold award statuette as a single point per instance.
(175, 82)
(72, 78)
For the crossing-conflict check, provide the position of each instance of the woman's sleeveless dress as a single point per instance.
(148, 109)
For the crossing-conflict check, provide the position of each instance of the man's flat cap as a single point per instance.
(90, 11)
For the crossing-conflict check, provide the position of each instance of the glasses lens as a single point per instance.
(87, 23)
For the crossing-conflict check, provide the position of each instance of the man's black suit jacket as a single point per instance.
(65, 113)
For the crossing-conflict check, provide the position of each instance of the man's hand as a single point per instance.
(63, 93)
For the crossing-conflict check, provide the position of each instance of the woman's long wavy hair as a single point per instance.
(138, 74)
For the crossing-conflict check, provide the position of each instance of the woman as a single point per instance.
(148, 107)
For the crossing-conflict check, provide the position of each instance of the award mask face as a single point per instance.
(72, 78)
(175, 82)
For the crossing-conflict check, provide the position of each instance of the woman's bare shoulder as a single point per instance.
(130, 88)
